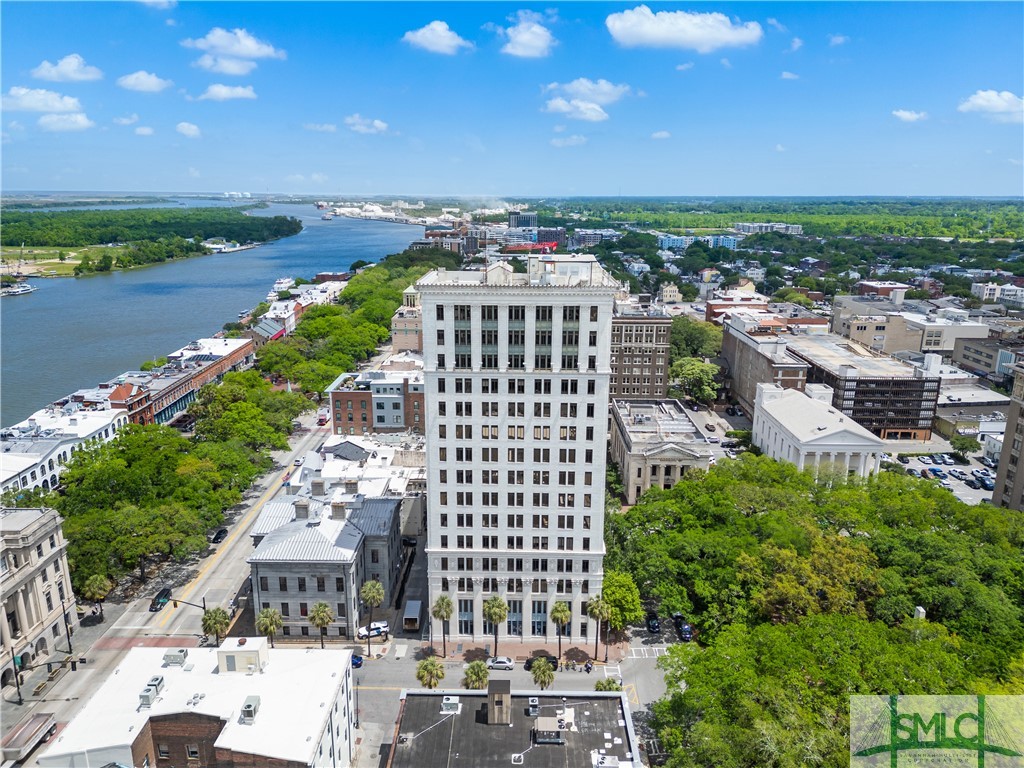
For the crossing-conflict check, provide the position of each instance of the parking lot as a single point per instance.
(957, 485)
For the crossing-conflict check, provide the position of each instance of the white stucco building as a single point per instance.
(517, 370)
(805, 429)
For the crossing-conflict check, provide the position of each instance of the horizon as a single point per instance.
(610, 100)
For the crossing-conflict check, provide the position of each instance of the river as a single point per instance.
(76, 332)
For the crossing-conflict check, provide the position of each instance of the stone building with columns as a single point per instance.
(35, 588)
(805, 429)
(517, 374)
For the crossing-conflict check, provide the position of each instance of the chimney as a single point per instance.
(318, 486)
(499, 702)
(339, 510)
(302, 509)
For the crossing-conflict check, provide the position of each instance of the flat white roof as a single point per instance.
(219, 347)
(297, 691)
(808, 420)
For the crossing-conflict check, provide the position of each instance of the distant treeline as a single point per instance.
(80, 228)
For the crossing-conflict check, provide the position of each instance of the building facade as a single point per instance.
(1009, 490)
(38, 604)
(517, 376)
(377, 401)
(754, 352)
(640, 351)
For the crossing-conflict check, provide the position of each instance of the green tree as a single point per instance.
(321, 616)
(430, 672)
(696, 377)
(560, 614)
(963, 445)
(495, 611)
(607, 684)
(694, 338)
(543, 673)
(269, 623)
(96, 588)
(599, 610)
(476, 675)
(216, 622)
(622, 597)
(442, 610)
(372, 595)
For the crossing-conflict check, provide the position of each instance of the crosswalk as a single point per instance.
(647, 652)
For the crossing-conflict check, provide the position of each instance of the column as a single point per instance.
(577, 610)
(862, 469)
(5, 632)
(801, 459)
(23, 620)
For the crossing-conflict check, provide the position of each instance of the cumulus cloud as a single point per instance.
(219, 92)
(661, 135)
(319, 178)
(701, 32)
(777, 25)
(576, 109)
(602, 92)
(795, 45)
(234, 44)
(19, 99)
(725, 63)
(321, 127)
(159, 4)
(779, 148)
(361, 124)
(528, 38)
(76, 121)
(143, 130)
(145, 82)
(569, 141)
(789, 76)
(295, 178)
(909, 116)
(436, 37)
(998, 106)
(191, 130)
(684, 67)
(225, 65)
(71, 69)
(193, 173)
(130, 120)
(838, 40)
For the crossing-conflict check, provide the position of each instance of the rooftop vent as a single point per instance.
(147, 697)
(450, 705)
(176, 658)
(250, 708)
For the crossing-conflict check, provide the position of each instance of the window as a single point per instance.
(374, 556)
(162, 750)
(302, 584)
(192, 750)
(282, 583)
(321, 584)
(439, 312)
(339, 584)
(303, 609)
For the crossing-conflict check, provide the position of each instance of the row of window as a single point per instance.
(515, 386)
(490, 499)
(515, 409)
(517, 455)
(517, 313)
(513, 586)
(513, 520)
(512, 432)
(518, 362)
(515, 477)
(511, 564)
(539, 543)
(301, 582)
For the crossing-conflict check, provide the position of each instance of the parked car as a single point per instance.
(902, 459)
(298, 462)
(710, 427)
(970, 482)
(376, 629)
(653, 623)
(987, 462)
(946, 484)
(913, 472)
(987, 484)
(162, 598)
(958, 474)
(936, 472)
(685, 630)
(980, 473)
(408, 541)
(713, 439)
(534, 659)
(947, 459)
(220, 535)
(357, 661)
(500, 662)
(925, 459)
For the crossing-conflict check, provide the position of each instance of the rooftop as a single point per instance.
(808, 420)
(656, 422)
(595, 726)
(833, 353)
(563, 270)
(319, 539)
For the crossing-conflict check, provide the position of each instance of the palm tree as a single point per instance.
(321, 616)
(543, 673)
(216, 622)
(430, 672)
(442, 611)
(268, 623)
(372, 595)
(476, 675)
(599, 610)
(96, 588)
(495, 611)
(561, 613)
(608, 684)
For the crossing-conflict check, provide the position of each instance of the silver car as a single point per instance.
(500, 662)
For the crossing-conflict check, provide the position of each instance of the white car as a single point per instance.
(924, 459)
(500, 662)
(377, 628)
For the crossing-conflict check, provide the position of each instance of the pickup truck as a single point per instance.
(27, 734)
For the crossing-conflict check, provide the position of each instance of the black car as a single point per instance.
(972, 483)
(902, 459)
(162, 598)
(408, 541)
(220, 535)
(685, 630)
(534, 659)
(653, 623)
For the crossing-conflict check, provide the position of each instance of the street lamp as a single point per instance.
(67, 629)
(17, 677)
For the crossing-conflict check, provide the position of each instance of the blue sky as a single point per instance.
(494, 99)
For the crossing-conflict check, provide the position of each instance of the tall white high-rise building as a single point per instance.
(517, 370)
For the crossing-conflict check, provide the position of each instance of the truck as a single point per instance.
(411, 617)
(27, 734)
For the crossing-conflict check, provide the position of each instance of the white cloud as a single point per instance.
(528, 39)
(193, 173)
(171, 23)
(701, 32)
(600, 91)
(684, 67)
(834, 40)
(20, 99)
(909, 116)
(795, 45)
(295, 178)
(143, 81)
(361, 124)
(319, 178)
(777, 25)
(159, 4)
(779, 148)
(1014, 161)
(559, 129)
(436, 37)
(789, 76)
(191, 130)
(725, 63)
(321, 127)
(219, 92)
(661, 135)
(576, 109)
(569, 141)
(236, 44)
(998, 106)
(76, 121)
(225, 65)
(130, 120)
(71, 69)
(14, 125)
(143, 130)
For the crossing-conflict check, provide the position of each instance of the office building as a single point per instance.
(754, 352)
(1009, 490)
(517, 370)
(517, 219)
(378, 400)
(992, 359)
(640, 349)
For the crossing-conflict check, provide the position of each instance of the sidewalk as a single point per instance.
(463, 651)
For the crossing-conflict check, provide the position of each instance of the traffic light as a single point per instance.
(174, 603)
(49, 667)
(74, 666)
